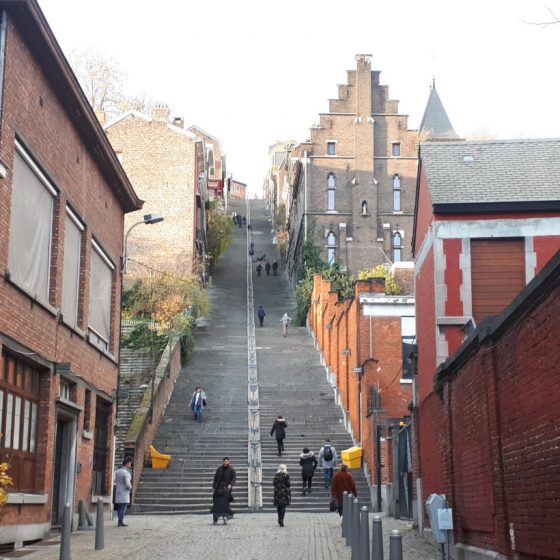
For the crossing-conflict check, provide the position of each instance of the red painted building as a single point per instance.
(487, 221)
(364, 345)
(63, 195)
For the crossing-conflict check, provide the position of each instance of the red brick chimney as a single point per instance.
(161, 113)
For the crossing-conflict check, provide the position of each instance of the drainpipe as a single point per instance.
(305, 164)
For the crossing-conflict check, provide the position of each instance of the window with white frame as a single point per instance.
(100, 297)
(30, 244)
(331, 248)
(331, 186)
(396, 193)
(397, 247)
(396, 149)
(71, 275)
(331, 148)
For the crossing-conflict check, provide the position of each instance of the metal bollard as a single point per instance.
(65, 535)
(99, 532)
(343, 504)
(363, 545)
(377, 539)
(395, 545)
(355, 539)
(347, 512)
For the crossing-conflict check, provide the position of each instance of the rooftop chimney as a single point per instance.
(160, 113)
(179, 122)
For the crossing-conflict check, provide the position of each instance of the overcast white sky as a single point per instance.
(252, 72)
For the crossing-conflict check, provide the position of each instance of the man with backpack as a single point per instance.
(327, 459)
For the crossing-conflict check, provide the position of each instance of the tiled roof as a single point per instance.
(435, 120)
(497, 171)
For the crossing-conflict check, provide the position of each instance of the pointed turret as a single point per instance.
(435, 120)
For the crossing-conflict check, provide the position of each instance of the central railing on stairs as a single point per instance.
(254, 444)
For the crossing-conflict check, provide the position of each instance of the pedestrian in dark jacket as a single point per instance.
(225, 473)
(282, 492)
(220, 504)
(261, 315)
(279, 428)
(343, 481)
(267, 267)
(308, 463)
(274, 268)
(259, 269)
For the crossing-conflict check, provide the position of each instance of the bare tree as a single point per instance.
(101, 78)
(553, 19)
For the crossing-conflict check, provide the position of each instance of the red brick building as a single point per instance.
(487, 221)
(498, 428)
(238, 190)
(364, 345)
(63, 195)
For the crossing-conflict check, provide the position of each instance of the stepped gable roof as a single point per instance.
(496, 175)
(435, 119)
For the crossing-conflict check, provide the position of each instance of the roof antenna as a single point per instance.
(433, 86)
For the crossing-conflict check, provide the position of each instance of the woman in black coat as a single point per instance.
(282, 492)
(308, 463)
(279, 427)
(220, 503)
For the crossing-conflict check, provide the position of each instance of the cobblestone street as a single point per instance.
(306, 536)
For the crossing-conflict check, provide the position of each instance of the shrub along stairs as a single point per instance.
(291, 382)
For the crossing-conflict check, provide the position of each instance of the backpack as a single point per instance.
(327, 453)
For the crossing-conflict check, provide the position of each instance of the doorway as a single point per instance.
(64, 467)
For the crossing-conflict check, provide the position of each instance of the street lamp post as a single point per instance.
(148, 219)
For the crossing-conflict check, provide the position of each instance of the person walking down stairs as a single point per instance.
(282, 492)
(308, 463)
(198, 403)
(279, 427)
(261, 315)
(327, 460)
(220, 504)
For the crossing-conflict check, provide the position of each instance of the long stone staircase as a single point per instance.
(291, 381)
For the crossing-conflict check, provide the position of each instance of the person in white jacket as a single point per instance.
(328, 459)
(123, 486)
(285, 323)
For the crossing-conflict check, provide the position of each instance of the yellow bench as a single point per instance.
(159, 460)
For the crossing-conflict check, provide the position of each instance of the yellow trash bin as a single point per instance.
(159, 460)
(352, 457)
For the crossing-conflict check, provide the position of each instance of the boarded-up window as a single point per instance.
(31, 218)
(497, 274)
(101, 289)
(71, 280)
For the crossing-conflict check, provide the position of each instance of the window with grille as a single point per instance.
(19, 411)
(100, 447)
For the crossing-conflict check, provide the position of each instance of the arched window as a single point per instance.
(331, 248)
(396, 193)
(331, 185)
(397, 247)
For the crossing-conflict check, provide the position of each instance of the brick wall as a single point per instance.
(32, 109)
(161, 161)
(349, 330)
(497, 429)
